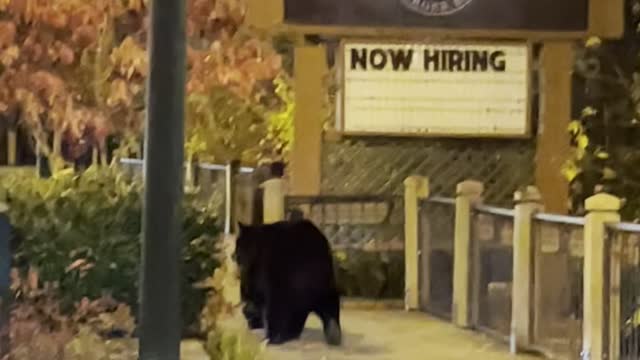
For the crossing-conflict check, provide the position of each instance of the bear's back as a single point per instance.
(294, 246)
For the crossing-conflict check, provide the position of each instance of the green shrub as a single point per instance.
(374, 275)
(82, 232)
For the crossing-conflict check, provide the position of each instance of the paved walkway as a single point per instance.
(393, 335)
(384, 335)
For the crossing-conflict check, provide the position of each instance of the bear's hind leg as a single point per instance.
(253, 313)
(282, 323)
(329, 311)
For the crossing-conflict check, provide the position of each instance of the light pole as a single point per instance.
(160, 318)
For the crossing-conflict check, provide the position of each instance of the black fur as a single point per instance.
(286, 272)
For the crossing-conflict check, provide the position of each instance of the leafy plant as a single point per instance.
(375, 275)
(40, 329)
(228, 336)
(82, 232)
(604, 137)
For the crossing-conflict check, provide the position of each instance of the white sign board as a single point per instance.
(463, 89)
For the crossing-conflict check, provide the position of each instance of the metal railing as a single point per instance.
(435, 244)
(622, 271)
(558, 258)
(492, 269)
(366, 234)
(219, 186)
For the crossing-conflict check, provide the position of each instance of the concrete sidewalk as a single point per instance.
(393, 335)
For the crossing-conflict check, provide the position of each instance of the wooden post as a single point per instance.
(468, 193)
(415, 188)
(553, 146)
(528, 201)
(602, 209)
(160, 318)
(310, 70)
(273, 200)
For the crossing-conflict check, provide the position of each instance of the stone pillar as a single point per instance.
(415, 188)
(602, 209)
(468, 193)
(528, 202)
(273, 200)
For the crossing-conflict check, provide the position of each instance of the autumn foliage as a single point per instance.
(73, 71)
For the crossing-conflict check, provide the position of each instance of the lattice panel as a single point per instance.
(370, 224)
(379, 166)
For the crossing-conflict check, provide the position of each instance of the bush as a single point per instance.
(82, 233)
(375, 275)
(40, 330)
(228, 336)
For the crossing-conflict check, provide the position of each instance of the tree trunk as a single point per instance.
(56, 161)
(95, 153)
(104, 157)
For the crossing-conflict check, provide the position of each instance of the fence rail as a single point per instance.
(216, 187)
(559, 219)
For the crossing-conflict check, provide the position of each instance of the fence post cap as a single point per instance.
(272, 182)
(415, 179)
(420, 183)
(470, 188)
(528, 194)
(603, 202)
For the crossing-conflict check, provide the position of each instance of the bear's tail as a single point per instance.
(333, 333)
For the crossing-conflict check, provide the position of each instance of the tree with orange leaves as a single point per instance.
(74, 71)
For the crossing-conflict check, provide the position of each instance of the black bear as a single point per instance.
(286, 272)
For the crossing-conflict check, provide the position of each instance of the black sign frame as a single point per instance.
(521, 19)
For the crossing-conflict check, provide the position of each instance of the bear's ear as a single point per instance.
(241, 226)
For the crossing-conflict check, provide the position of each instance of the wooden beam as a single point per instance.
(264, 14)
(310, 69)
(553, 145)
(606, 18)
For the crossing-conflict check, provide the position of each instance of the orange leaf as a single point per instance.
(66, 54)
(7, 34)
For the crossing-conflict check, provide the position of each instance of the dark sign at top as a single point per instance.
(515, 15)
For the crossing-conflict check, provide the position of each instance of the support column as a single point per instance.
(415, 188)
(528, 202)
(606, 18)
(310, 70)
(602, 209)
(468, 193)
(553, 145)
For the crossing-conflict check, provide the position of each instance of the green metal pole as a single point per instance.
(160, 327)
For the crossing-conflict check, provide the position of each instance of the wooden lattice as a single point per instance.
(379, 166)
